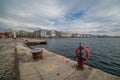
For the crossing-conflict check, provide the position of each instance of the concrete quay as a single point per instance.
(56, 67)
(7, 59)
(51, 67)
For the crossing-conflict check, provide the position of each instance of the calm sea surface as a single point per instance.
(105, 52)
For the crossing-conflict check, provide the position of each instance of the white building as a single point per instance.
(41, 33)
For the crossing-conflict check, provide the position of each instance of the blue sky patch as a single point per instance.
(72, 16)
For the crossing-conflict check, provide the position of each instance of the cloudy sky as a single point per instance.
(76, 16)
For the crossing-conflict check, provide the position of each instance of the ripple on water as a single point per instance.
(105, 52)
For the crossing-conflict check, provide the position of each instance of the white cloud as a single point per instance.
(50, 11)
(98, 16)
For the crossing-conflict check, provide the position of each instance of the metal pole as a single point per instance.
(80, 59)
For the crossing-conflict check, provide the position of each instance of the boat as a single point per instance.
(35, 41)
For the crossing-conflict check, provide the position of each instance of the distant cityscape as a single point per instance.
(42, 33)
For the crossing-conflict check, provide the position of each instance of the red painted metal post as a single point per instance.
(80, 57)
(80, 62)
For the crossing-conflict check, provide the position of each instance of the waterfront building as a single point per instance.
(42, 33)
(3, 35)
(10, 33)
(22, 33)
(69, 35)
(52, 34)
(58, 34)
(65, 34)
(85, 36)
(76, 35)
(31, 34)
(88, 36)
(37, 33)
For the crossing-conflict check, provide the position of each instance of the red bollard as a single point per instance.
(80, 62)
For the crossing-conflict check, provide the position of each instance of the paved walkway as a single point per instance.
(56, 67)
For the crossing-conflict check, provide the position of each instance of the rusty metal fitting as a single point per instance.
(37, 53)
